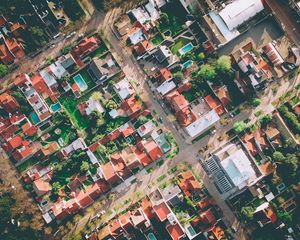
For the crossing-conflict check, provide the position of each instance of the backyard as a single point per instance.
(179, 43)
(175, 18)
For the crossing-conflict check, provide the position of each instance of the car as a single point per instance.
(160, 119)
(52, 46)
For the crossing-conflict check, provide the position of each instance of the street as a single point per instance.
(187, 152)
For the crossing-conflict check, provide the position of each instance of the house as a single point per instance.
(67, 62)
(255, 142)
(13, 143)
(86, 46)
(119, 166)
(253, 66)
(214, 104)
(57, 70)
(109, 173)
(202, 124)
(42, 88)
(10, 49)
(59, 210)
(223, 95)
(162, 211)
(142, 47)
(264, 214)
(122, 25)
(29, 129)
(162, 53)
(232, 168)
(188, 183)
(124, 89)
(41, 187)
(8, 102)
(175, 231)
(136, 35)
(146, 128)
(205, 221)
(131, 160)
(166, 87)
(132, 106)
(116, 229)
(6, 56)
(83, 198)
(172, 195)
(177, 101)
(101, 70)
(272, 54)
(152, 149)
(139, 14)
(24, 152)
(49, 78)
(89, 106)
(163, 75)
(139, 219)
(47, 150)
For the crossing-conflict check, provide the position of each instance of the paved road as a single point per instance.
(287, 17)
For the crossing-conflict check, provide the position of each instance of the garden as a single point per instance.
(179, 43)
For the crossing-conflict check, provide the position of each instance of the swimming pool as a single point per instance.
(55, 107)
(80, 82)
(187, 64)
(185, 49)
(151, 236)
(34, 117)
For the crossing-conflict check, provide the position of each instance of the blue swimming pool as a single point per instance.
(34, 117)
(185, 49)
(81, 83)
(151, 236)
(187, 64)
(55, 107)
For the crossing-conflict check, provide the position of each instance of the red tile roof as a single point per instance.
(15, 47)
(5, 55)
(142, 47)
(147, 208)
(162, 211)
(186, 116)
(153, 150)
(163, 75)
(175, 231)
(223, 95)
(188, 183)
(23, 152)
(14, 142)
(115, 227)
(83, 199)
(177, 101)
(185, 87)
(125, 220)
(109, 173)
(214, 104)
(8, 102)
(131, 105)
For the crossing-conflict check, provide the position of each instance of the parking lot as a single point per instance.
(261, 34)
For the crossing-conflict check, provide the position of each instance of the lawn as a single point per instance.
(176, 14)
(100, 51)
(87, 78)
(27, 164)
(180, 42)
(157, 39)
(69, 104)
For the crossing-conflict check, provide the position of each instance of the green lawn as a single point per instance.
(87, 78)
(180, 42)
(28, 163)
(100, 51)
(69, 104)
(157, 39)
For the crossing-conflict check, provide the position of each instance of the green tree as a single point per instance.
(240, 126)
(278, 157)
(207, 72)
(164, 17)
(179, 76)
(248, 212)
(97, 96)
(292, 161)
(3, 70)
(265, 120)
(255, 102)
(56, 187)
(201, 56)
(142, 120)
(84, 167)
(223, 64)
(110, 105)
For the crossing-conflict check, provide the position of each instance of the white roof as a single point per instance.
(47, 217)
(203, 123)
(239, 11)
(92, 157)
(238, 167)
(166, 87)
(146, 128)
(158, 3)
(124, 88)
(137, 36)
(49, 79)
(154, 14)
(273, 54)
(77, 144)
(114, 113)
(94, 105)
(57, 69)
(141, 15)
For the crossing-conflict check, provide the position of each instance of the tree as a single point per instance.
(56, 187)
(248, 212)
(201, 56)
(292, 161)
(223, 64)
(240, 126)
(142, 120)
(278, 157)
(164, 17)
(84, 167)
(207, 72)
(102, 151)
(256, 102)
(110, 105)
(97, 96)
(265, 120)
(3, 70)
(179, 76)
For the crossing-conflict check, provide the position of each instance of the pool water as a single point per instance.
(55, 107)
(34, 117)
(185, 49)
(191, 230)
(80, 82)
(151, 236)
(187, 64)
